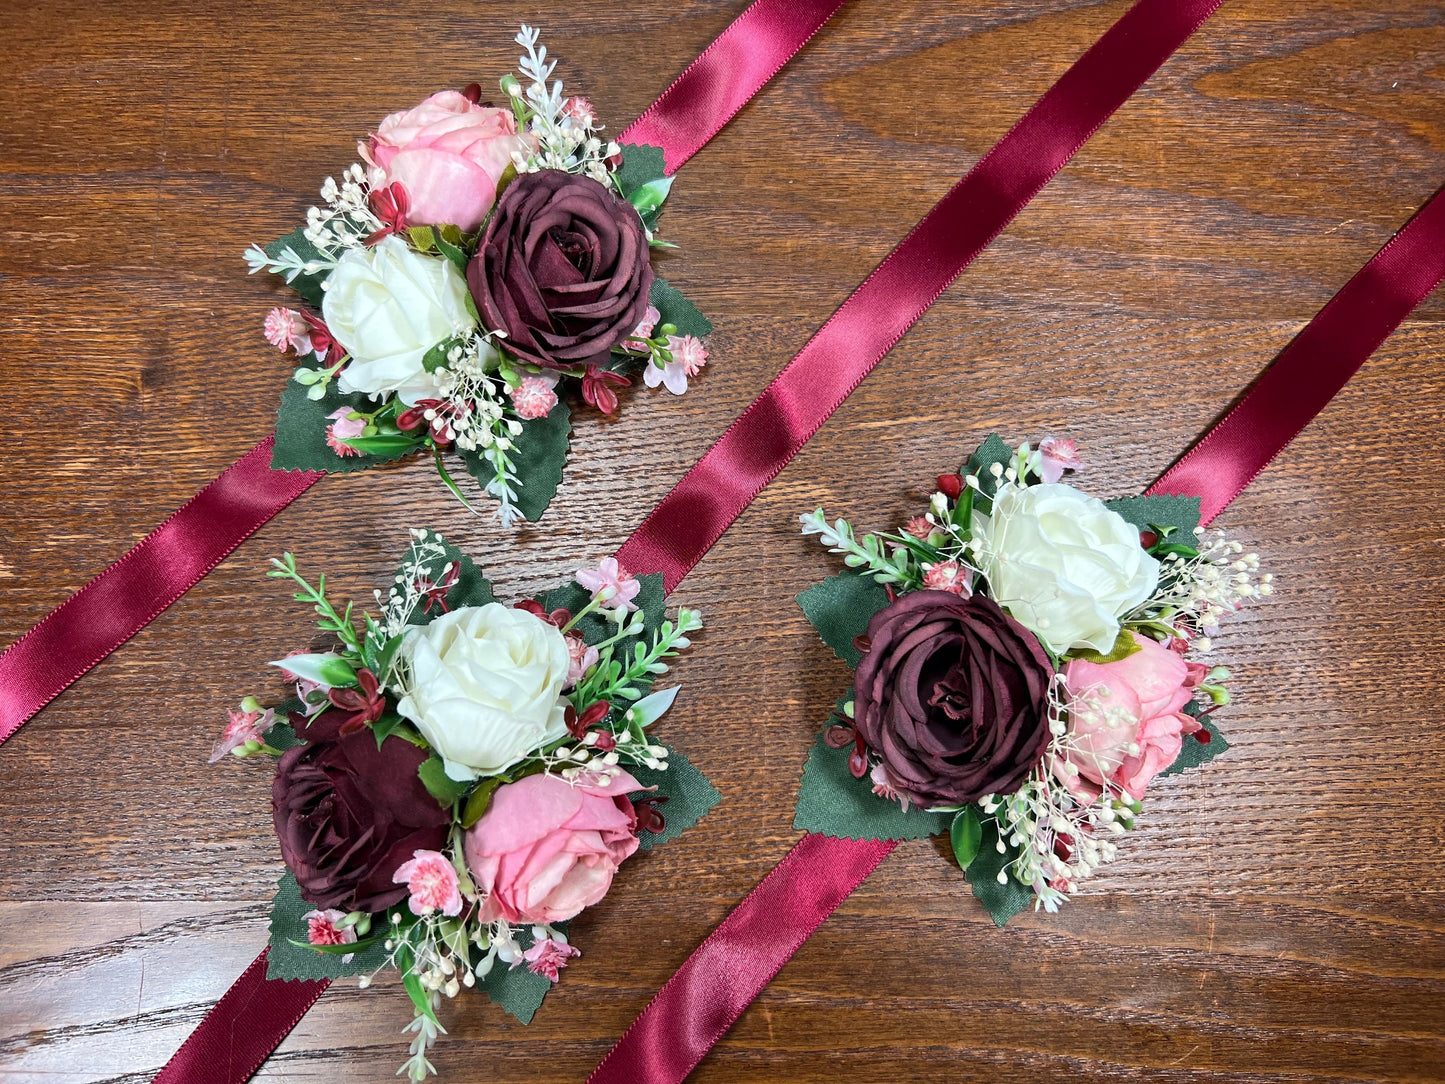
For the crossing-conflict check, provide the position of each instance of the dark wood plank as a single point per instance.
(1279, 917)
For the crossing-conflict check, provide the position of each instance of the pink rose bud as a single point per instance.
(547, 848)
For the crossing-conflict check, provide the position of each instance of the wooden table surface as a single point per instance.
(1280, 916)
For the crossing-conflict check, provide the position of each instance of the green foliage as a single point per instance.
(1002, 901)
(308, 286)
(840, 608)
(1124, 646)
(1195, 752)
(991, 451)
(441, 786)
(673, 308)
(471, 588)
(689, 797)
(833, 803)
(516, 990)
(642, 164)
(538, 456)
(594, 628)
(1152, 513)
(965, 835)
(289, 960)
(301, 434)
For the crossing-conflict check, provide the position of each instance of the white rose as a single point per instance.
(388, 305)
(486, 687)
(1063, 565)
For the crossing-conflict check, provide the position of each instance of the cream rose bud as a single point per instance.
(387, 306)
(1063, 565)
(486, 687)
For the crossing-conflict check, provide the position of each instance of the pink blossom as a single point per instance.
(949, 576)
(533, 398)
(548, 957)
(688, 358)
(919, 528)
(581, 655)
(243, 726)
(547, 848)
(431, 879)
(637, 341)
(448, 154)
(322, 929)
(1126, 719)
(611, 577)
(884, 788)
(286, 329)
(1058, 455)
(579, 109)
(342, 428)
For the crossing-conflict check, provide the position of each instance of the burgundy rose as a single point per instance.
(349, 814)
(562, 269)
(952, 693)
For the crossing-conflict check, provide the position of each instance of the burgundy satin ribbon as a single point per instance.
(734, 964)
(239, 1032)
(962, 224)
(131, 593)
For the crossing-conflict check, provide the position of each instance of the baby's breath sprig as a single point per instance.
(566, 137)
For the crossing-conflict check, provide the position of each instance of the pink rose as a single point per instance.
(448, 154)
(546, 848)
(1126, 723)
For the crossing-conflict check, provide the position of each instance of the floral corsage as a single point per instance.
(1026, 664)
(477, 258)
(457, 778)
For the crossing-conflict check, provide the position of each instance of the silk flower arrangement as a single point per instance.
(476, 260)
(457, 779)
(1026, 664)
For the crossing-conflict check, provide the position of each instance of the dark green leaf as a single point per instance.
(676, 309)
(453, 253)
(301, 433)
(1195, 752)
(991, 451)
(1147, 512)
(641, 164)
(291, 957)
(832, 802)
(689, 797)
(1002, 901)
(471, 588)
(965, 836)
(538, 455)
(442, 787)
(308, 286)
(339, 950)
(516, 989)
(405, 962)
(383, 727)
(840, 608)
(436, 357)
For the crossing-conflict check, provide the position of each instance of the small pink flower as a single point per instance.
(243, 726)
(548, 957)
(949, 576)
(285, 329)
(579, 109)
(582, 657)
(688, 358)
(322, 929)
(342, 428)
(431, 879)
(533, 398)
(611, 577)
(919, 528)
(884, 788)
(1058, 455)
(637, 341)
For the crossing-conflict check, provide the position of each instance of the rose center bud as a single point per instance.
(950, 695)
(574, 249)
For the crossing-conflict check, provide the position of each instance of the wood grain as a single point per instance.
(1280, 917)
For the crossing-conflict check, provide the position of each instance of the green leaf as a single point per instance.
(436, 357)
(386, 445)
(453, 253)
(383, 727)
(441, 786)
(840, 608)
(648, 198)
(405, 962)
(479, 800)
(338, 950)
(301, 433)
(515, 989)
(1148, 512)
(423, 239)
(595, 628)
(291, 957)
(308, 286)
(1124, 646)
(832, 802)
(337, 672)
(991, 451)
(1002, 901)
(676, 309)
(1195, 752)
(471, 588)
(689, 797)
(538, 456)
(965, 836)
(641, 165)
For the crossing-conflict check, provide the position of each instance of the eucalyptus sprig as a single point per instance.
(870, 554)
(614, 679)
